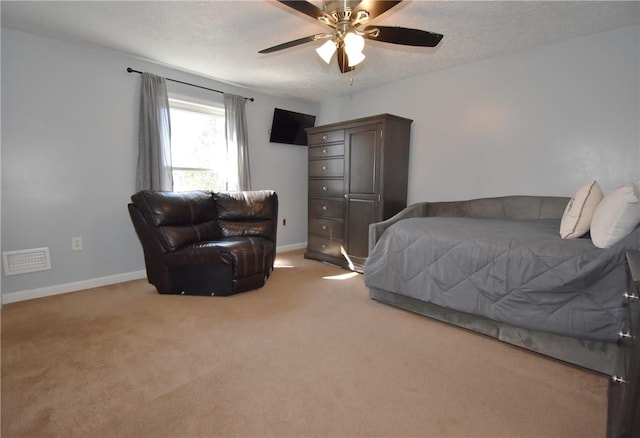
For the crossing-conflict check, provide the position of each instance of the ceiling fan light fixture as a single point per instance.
(353, 45)
(326, 51)
(355, 59)
(353, 42)
(347, 35)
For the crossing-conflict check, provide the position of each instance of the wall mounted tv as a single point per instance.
(288, 127)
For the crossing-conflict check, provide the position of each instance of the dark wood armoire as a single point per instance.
(357, 175)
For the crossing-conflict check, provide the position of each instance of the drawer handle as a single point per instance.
(324, 246)
(617, 379)
(324, 167)
(630, 296)
(325, 188)
(324, 137)
(324, 151)
(324, 207)
(624, 335)
(324, 228)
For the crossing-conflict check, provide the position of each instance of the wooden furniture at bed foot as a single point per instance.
(623, 419)
(357, 175)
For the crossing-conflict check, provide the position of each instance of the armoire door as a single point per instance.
(362, 177)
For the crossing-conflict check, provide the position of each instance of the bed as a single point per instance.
(499, 267)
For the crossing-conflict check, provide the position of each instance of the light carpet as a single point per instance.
(307, 355)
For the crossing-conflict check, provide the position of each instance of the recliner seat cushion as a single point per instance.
(199, 253)
(174, 238)
(246, 255)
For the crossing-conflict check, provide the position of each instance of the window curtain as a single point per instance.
(237, 137)
(154, 136)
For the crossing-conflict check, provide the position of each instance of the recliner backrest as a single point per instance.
(180, 218)
(253, 213)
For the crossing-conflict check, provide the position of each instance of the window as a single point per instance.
(198, 148)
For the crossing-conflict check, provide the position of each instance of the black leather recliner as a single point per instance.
(206, 243)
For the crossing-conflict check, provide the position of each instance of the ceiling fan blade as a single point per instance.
(343, 60)
(306, 8)
(289, 44)
(404, 36)
(374, 7)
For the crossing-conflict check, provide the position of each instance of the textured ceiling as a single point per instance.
(221, 39)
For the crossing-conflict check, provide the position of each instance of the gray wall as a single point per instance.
(69, 150)
(542, 121)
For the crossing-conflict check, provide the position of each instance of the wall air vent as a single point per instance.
(28, 260)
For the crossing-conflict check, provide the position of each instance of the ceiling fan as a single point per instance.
(348, 22)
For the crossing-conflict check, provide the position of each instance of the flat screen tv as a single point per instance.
(288, 127)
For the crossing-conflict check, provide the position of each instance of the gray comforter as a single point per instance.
(515, 271)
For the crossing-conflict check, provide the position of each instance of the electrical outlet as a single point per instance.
(76, 243)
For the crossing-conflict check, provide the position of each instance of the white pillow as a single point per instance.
(616, 216)
(576, 218)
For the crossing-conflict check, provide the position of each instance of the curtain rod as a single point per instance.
(130, 70)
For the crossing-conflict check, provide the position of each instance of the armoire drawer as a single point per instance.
(330, 228)
(329, 167)
(324, 246)
(331, 188)
(326, 208)
(326, 137)
(334, 150)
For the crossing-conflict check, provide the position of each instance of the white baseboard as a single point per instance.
(14, 297)
(71, 287)
(292, 247)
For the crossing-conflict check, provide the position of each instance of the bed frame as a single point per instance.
(593, 355)
(596, 356)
